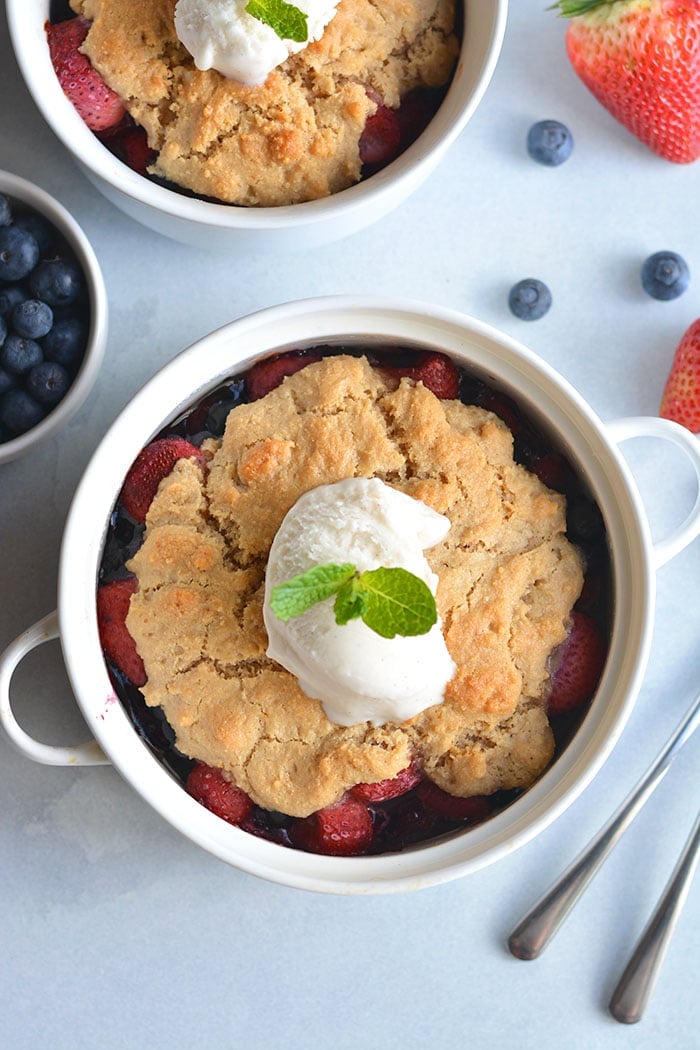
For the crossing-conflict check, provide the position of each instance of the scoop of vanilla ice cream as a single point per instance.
(221, 35)
(358, 675)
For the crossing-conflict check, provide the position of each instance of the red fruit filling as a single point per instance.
(97, 104)
(266, 375)
(130, 145)
(383, 790)
(381, 137)
(210, 787)
(451, 807)
(577, 666)
(435, 371)
(152, 464)
(117, 644)
(341, 830)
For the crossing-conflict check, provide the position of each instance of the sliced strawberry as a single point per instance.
(340, 830)
(130, 145)
(117, 644)
(97, 104)
(381, 137)
(382, 790)
(681, 396)
(268, 374)
(210, 787)
(152, 464)
(435, 371)
(452, 807)
(578, 665)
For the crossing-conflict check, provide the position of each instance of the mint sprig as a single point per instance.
(287, 20)
(390, 601)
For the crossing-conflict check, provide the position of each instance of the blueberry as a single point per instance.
(549, 142)
(3, 329)
(529, 299)
(57, 282)
(10, 296)
(18, 355)
(665, 275)
(8, 381)
(19, 253)
(32, 319)
(40, 228)
(19, 412)
(66, 341)
(47, 382)
(5, 211)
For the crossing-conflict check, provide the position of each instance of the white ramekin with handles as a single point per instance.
(545, 396)
(205, 224)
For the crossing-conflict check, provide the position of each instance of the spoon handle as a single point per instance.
(637, 982)
(537, 928)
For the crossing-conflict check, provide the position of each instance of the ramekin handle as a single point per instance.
(666, 430)
(87, 754)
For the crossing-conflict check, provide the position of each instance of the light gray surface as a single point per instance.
(116, 932)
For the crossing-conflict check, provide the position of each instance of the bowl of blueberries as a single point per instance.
(53, 315)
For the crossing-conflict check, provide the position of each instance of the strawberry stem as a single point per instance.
(572, 8)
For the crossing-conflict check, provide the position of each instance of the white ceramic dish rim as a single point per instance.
(35, 197)
(477, 346)
(477, 62)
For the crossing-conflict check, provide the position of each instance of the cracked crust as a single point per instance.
(292, 139)
(508, 579)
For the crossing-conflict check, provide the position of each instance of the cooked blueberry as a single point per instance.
(529, 299)
(66, 341)
(8, 381)
(40, 228)
(47, 382)
(57, 282)
(549, 142)
(19, 253)
(18, 354)
(5, 211)
(32, 319)
(10, 296)
(665, 275)
(19, 411)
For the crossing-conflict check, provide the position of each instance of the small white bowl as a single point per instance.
(43, 203)
(546, 397)
(208, 225)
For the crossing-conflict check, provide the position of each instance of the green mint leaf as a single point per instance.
(349, 601)
(397, 602)
(287, 20)
(295, 596)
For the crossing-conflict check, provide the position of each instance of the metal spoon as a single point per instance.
(537, 928)
(637, 982)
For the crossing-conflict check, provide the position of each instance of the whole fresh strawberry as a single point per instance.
(681, 396)
(97, 104)
(641, 60)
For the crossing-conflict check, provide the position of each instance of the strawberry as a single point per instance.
(97, 104)
(340, 830)
(578, 665)
(681, 396)
(433, 370)
(266, 375)
(117, 644)
(130, 145)
(381, 137)
(641, 60)
(382, 790)
(210, 787)
(152, 464)
(452, 807)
